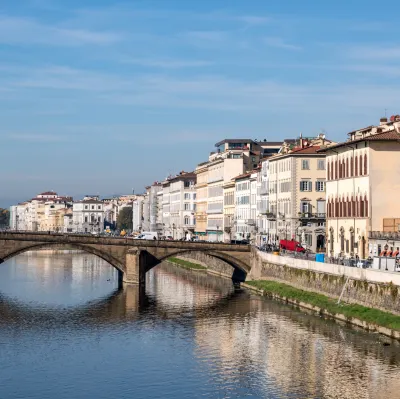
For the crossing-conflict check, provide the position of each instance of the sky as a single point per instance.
(102, 97)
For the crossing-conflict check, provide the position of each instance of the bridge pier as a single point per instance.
(134, 268)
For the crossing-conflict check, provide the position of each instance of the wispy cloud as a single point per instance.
(167, 63)
(36, 138)
(278, 42)
(381, 53)
(28, 31)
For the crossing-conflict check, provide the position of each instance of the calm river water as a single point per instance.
(67, 331)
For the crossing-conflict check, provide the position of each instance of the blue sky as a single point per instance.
(105, 96)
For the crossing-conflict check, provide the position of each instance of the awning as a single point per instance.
(395, 253)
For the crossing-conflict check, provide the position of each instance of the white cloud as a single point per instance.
(36, 138)
(280, 43)
(167, 63)
(28, 31)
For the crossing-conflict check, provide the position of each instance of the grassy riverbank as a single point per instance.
(186, 264)
(363, 313)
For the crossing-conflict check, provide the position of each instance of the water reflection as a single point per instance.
(188, 335)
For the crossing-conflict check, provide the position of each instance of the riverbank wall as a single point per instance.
(371, 288)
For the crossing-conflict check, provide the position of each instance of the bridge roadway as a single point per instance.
(132, 258)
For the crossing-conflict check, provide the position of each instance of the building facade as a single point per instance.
(361, 188)
(88, 216)
(297, 198)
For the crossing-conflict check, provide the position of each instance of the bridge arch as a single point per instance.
(113, 261)
(240, 268)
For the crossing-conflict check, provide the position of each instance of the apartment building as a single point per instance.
(88, 215)
(182, 205)
(297, 182)
(201, 173)
(229, 211)
(137, 213)
(232, 157)
(246, 206)
(361, 188)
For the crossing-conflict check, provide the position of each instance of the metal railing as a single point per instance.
(385, 235)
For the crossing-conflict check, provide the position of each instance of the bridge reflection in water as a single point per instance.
(242, 344)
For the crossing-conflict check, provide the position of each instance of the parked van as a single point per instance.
(291, 245)
(148, 235)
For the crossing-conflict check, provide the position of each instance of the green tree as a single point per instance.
(124, 219)
(4, 217)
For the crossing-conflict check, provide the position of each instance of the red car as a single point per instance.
(291, 245)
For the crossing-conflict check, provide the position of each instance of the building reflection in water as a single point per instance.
(239, 338)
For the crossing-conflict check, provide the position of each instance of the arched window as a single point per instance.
(340, 208)
(337, 208)
(361, 207)
(353, 207)
(356, 166)
(365, 165)
(361, 171)
(348, 207)
(351, 166)
(357, 207)
(351, 240)
(365, 206)
(341, 239)
(328, 170)
(344, 208)
(336, 170)
(347, 167)
(340, 169)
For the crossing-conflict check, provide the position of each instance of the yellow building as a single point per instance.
(297, 178)
(362, 187)
(201, 200)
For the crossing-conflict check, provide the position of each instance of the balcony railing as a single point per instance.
(251, 222)
(385, 235)
(309, 215)
(212, 211)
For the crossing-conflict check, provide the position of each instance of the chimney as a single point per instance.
(383, 121)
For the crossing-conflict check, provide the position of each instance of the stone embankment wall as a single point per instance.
(368, 287)
(213, 265)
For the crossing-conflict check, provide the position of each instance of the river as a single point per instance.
(68, 331)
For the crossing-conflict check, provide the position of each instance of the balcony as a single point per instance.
(385, 235)
(212, 211)
(270, 215)
(251, 222)
(215, 179)
(309, 215)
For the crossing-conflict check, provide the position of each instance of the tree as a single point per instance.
(124, 219)
(4, 217)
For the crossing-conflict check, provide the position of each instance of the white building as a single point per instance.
(182, 205)
(88, 216)
(246, 206)
(137, 213)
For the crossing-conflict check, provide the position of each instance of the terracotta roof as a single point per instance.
(242, 176)
(48, 193)
(306, 150)
(385, 136)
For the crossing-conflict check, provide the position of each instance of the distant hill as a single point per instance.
(4, 217)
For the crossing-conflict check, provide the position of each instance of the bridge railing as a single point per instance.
(108, 236)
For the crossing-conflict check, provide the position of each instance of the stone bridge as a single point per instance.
(132, 258)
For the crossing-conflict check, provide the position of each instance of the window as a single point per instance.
(92, 206)
(187, 196)
(305, 164)
(187, 220)
(86, 219)
(305, 207)
(365, 164)
(99, 207)
(187, 206)
(319, 186)
(321, 164)
(306, 185)
(86, 206)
